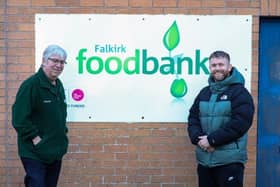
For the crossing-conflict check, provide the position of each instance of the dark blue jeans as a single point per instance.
(39, 174)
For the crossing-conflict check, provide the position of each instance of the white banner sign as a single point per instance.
(140, 68)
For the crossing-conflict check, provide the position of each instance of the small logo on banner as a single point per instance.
(77, 94)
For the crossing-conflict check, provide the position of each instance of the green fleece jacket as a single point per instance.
(40, 110)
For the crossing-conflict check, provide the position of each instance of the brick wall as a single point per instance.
(112, 154)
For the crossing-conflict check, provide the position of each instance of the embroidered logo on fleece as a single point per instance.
(224, 97)
(47, 101)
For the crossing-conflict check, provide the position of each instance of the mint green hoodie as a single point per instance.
(40, 110)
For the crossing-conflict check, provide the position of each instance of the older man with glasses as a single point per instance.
(39, 118)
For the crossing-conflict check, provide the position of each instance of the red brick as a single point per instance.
(66, 3)
(116, 3)
(92, 3)
(115, 148)
(213, 3)
(18, 3)
(138, 179)
(238, 4)
(142, 3)
(164, 3)
(189, 3)
(20, 35)
(43, 3)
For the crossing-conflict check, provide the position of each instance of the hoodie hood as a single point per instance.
(235, 77)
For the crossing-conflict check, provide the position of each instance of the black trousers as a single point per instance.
(230, 175)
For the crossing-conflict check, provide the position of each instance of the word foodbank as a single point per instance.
(141, 63)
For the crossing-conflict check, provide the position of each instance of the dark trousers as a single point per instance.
(39, 174)
(230, 175)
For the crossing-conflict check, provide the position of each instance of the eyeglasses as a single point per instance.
(57, 61)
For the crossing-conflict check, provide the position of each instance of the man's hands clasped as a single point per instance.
(204, 144)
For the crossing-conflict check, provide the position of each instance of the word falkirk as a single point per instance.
(109, 48)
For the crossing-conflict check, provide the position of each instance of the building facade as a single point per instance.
(114, 154)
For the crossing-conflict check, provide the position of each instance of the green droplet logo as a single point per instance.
(171, 37)
(178, 88)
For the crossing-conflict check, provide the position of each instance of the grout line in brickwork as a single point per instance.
(7, 161)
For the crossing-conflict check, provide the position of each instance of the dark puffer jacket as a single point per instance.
(224, 112)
